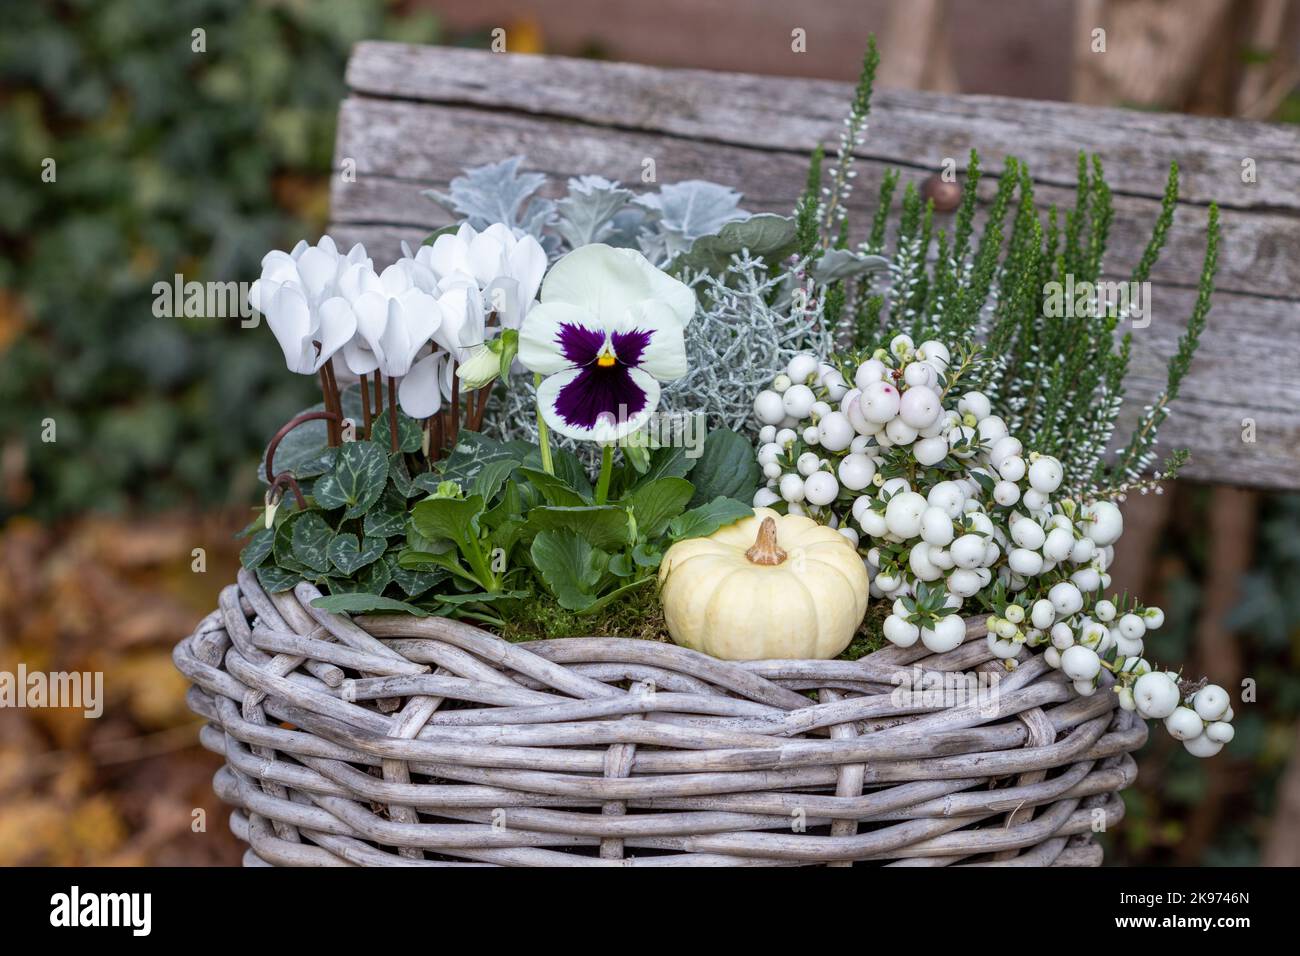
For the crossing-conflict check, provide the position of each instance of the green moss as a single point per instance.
(871, 635)
(638, 615)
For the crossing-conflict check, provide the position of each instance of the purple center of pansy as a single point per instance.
(600, 391)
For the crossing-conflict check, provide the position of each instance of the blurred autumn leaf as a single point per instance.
(165, 160)
(111, 596)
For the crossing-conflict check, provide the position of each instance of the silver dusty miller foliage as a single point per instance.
(743, 328)
(747, 322)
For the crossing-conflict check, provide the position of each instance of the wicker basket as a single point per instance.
(424, 741)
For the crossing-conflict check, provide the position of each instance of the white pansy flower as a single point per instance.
(610, 327)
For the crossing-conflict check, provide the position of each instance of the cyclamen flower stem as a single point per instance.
(455, 406)
(543, 434)
(365, 404)
(290, 425)
(331, 428)
(336, 397)
(392, 411)
(606, 467)
(435, 437)
(286, 478)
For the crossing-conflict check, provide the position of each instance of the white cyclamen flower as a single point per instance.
(394, 322)
(610, 327)
(472, 274)
(300, 294)
(507, 269)
(458, 334)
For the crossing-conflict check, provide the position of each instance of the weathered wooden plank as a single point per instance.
(1219, 395)
(909, 128)
(400, 148)
(426, 113)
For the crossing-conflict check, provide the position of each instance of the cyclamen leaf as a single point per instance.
(471, 453)
(257, 550)
(708, 518)
(282, 548)
(275, 579)
(410, 438)
(415, 583)
(426, 482)
(361, 603)
(399, 475)
(378, 575)
(385, 524)
(305, 450)
(357, 480)
(349, 555)
(311, 540)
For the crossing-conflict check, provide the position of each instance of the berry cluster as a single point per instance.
(949, 508)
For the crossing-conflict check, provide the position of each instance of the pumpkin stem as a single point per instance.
(765, 550)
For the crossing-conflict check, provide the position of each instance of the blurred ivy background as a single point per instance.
(133, 148)
(167, 160)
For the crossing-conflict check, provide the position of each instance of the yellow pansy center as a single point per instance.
(606, 359)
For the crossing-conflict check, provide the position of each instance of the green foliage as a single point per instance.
(1054, 352)
(491, 530)
(805, 213)
(167, 161)
(725, 468)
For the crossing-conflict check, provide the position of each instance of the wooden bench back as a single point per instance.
(416, 116)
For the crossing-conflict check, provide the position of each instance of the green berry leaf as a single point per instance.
(726, 468)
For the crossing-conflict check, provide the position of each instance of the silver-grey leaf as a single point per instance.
(694, 208)
(498, 192)
(585, 215)
(845, 264)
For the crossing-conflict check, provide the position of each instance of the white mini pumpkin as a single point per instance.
(767, 587)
